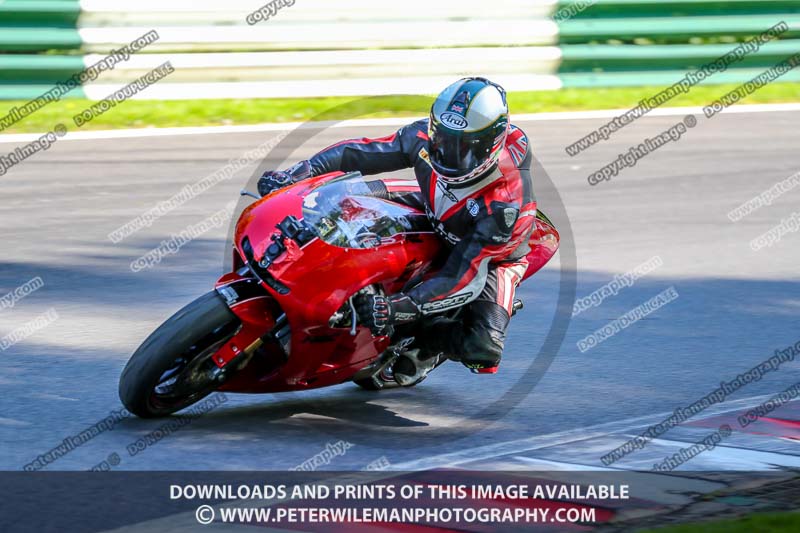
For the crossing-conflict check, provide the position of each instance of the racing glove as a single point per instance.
(277, 179)
(273, 180)
(379, 312)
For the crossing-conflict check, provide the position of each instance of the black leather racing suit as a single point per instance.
(486, 223)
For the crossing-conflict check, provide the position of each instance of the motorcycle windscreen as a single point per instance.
(347, 212)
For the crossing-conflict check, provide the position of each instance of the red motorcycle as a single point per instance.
(283, 319)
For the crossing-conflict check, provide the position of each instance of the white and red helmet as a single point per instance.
(468, 129)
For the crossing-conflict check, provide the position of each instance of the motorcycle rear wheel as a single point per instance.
(174, 367)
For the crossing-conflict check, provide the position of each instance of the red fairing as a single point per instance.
(312, 280)
(320, 278)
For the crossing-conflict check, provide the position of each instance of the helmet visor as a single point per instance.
(455, 154)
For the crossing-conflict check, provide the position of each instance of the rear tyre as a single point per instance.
(174, 367)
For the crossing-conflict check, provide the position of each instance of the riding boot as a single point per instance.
(434, 342)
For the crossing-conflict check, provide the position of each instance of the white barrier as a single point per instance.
(116, 13)
(350, 64)
(331, 37)
(323, 48)
(424, 85)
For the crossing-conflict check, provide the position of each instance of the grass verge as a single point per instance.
(767, 522)
(144, 113)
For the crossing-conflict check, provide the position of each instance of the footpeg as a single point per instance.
(518, 306)
(409, 369)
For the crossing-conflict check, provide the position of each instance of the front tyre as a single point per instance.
(174, 367)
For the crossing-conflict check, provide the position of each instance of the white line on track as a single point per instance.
(538, 464)
(13, 422)
(389, 122)
(492, 451)
(182, 521)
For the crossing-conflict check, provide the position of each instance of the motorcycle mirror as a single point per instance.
(245, 192)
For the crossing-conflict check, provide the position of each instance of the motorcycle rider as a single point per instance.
(473, 170)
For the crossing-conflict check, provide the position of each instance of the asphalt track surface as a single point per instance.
(735, 307)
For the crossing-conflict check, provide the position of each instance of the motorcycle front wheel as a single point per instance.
(174, 367)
